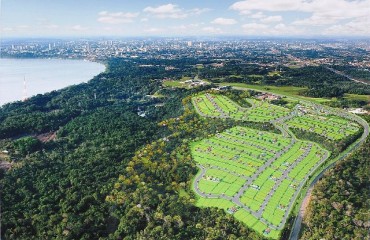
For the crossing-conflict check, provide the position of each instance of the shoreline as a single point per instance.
(48, 75)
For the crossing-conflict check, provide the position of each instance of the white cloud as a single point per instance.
(254, 28)
(287, 30)
(333, 12)
(271, 30)
(224, 21)
(51, 26)
(79, 28)
(192, 26)
(23, 26)
(212, 30)
(258, 15)
(359, 27)
(173, 11)
(8, 29)
(339, 16)
(116, 17)
(166, 11)
(245, 7)
(153, 30)
(323, 11)
(271, 19)
(198, 11)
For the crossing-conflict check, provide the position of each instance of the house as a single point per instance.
(267, 96)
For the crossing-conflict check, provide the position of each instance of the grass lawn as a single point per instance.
(232, 157)
(256, 175)
(330, 127)
(173, 83)
(357, 97)
(211, 105)
(289, 91)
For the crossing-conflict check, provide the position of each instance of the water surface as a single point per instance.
(42, 75)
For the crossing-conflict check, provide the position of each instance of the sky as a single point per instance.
(129, 18)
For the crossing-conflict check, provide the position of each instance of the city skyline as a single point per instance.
(268, 18)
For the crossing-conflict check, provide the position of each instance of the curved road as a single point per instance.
(279, 123)
(298, 220)
(347, 76)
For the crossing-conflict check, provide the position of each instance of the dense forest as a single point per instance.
(339, 206)
(110, 159)
(320, 81)
(64, 188)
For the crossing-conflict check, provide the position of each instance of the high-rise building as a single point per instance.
(190, 43)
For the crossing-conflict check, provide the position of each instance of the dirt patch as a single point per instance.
(5, 162)
(46, 137)
(5, 165)
(305, 203)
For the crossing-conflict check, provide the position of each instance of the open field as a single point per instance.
(289, 91)
(253, 174)
(330, 127)
(173, 83)
(357, 97)
(211, 105)
(285, 90)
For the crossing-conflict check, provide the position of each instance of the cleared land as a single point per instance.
(212, 105)
(257, 175)
(330, 127)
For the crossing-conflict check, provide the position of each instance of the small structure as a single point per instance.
(224, 88)
(232, 210)
(268, 96)
(358, 111)
(267, 231)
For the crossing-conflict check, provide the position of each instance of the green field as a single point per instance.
(265, 164)
(257, 175)
(173, 83)
(289, 91)
(212, 105)
(330, 127)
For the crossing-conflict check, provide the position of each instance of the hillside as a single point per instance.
(122, 165)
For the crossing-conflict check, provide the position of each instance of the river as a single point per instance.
(20, 78)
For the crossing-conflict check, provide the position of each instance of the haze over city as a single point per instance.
(169, 119)
(37, 18)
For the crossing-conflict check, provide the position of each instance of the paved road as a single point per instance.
(282, 178)
(279, 123)
(298, 220)
(347, 76)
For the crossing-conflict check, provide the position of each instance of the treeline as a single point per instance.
(339, 206)
(152, 198)
(334, 146)
(67, 188)
(356, 72)
(57, 189)
(320, 81)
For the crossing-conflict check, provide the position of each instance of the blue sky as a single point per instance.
(54, 18)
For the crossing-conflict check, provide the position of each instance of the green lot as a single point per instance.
(235, 155)
(212, 105)
(257, 175)
(330, 127)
